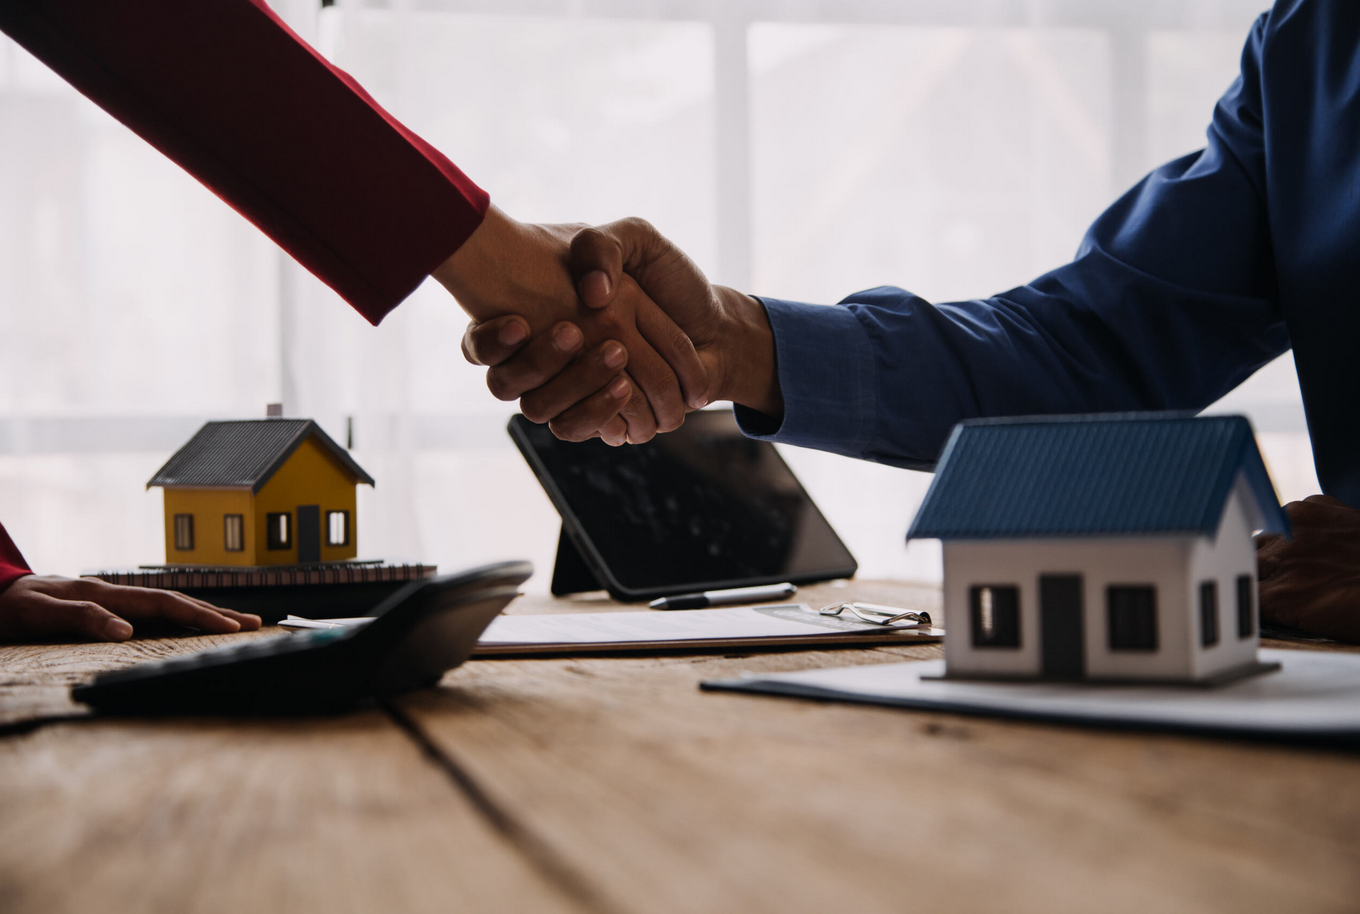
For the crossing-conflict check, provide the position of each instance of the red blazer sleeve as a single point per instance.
(12, 564)
(227, 91)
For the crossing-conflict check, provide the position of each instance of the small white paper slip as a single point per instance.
(1314, 694)
(302, 623)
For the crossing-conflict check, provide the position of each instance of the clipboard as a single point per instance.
(782, 625)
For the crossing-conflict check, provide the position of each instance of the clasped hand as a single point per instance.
(620, 366)
(638, 301)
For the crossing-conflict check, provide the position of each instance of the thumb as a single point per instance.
(596, 261)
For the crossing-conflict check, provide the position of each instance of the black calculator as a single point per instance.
(417, 634)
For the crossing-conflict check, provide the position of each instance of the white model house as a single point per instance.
(1100, 547)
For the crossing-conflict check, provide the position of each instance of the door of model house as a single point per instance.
(1062, 639)
(309, 533)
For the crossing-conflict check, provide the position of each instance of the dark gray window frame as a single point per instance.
(1208, 613)
(1131, 615)
(1005, 611)
(1246, 606)
(273, 540)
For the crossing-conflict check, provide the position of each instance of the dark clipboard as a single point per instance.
(712, 478)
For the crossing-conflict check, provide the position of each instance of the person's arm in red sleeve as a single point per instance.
(295, 145)
(12, 564)
(228, 92)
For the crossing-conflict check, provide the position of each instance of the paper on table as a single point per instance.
(785, 623)
(782, 620)
(1314, 694)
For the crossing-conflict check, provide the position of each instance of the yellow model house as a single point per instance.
(260, 492)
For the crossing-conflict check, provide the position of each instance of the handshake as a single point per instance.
(609, 331)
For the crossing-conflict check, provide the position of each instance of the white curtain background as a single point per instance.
(800, 150)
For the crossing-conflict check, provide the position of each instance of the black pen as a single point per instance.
(726, 597)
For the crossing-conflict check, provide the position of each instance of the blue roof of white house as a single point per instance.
(1103, 475)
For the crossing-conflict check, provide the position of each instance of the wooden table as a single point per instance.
(615, 785)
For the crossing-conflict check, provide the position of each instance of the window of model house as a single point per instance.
(233, 532)
(279, 530)
(1132, 617)
(337, 528)
(1246, 607)
(184, 531)
(1208, 613)
(995, 612)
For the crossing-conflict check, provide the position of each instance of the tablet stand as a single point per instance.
(571, 574)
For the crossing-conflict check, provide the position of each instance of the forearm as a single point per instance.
(747, 373)
(510, 267)
(885, 375)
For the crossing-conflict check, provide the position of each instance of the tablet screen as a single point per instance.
(700, 507)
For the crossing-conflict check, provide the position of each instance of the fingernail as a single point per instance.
(512, 334)
(619, 389)
(595, 286)
(567, 338)
(699, 402)
(117, 630)
(615, 355)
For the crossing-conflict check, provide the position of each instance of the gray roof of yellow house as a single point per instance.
(245, 453)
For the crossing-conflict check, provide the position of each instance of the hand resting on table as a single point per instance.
(42, 607)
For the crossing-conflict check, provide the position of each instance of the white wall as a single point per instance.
(1222, 559)
(1161, 562)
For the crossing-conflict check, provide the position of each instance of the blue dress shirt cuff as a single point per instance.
(826, 375)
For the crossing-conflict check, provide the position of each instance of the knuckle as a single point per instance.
(589, 235)
(534, 410)
(499, 385)
(567, 430)
(90, 613)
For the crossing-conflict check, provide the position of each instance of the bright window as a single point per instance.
(184, 532)
(278, 530)
(995, 614)
(337, 528)
(233, 533)
(947, 148)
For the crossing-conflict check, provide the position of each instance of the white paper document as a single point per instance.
(1313, 694)
(752, 626)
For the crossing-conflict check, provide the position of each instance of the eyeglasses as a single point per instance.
(878, 615)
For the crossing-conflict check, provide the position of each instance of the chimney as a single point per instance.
(273, 411)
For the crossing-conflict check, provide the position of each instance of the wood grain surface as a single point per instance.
(613, 784)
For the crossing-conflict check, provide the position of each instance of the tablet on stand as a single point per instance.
(700, 508)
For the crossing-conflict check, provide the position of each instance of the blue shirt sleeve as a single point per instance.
(1170, 302)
